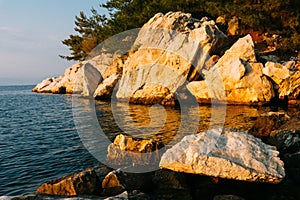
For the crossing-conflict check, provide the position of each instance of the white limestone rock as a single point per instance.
(225, 154)
(166, 48)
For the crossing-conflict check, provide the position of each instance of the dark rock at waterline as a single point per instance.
(265, 124)
(287, 137)
(138, 195)
(171, 185)
(111, 185)
(118, 181)
(166, 184)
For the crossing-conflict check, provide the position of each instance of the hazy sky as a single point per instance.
(30, 37)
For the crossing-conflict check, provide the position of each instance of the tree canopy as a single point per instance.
(272, 16)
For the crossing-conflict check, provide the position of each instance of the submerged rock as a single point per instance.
(83, 183)
(286, 137)
(225, 154)
(123, 196)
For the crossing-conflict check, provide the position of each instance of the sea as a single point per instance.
(41, 138)
(38, 140)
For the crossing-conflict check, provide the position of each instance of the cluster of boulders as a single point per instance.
(202, 166)
(176, 53)
(216, 164)
(172, 54)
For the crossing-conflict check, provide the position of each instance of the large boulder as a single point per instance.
(225, 154)
(69, 79)
(235, 79)
(83, 183)
(170, 49)
(83, 77)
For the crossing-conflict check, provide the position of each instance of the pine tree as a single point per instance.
(272, 16)
(91, 31)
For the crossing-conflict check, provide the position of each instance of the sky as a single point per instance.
(31, 32)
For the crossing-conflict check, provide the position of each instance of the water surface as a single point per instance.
(39, 140)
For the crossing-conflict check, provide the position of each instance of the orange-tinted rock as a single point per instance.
(172, 49)
(235, 79)
(126, 151)
(83, 183)
(111, 185)
(290, 87)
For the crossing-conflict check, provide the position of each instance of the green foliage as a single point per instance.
(92, 31)
(272, 16)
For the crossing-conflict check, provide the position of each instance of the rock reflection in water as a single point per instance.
(170, 125)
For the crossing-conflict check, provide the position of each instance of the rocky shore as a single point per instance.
(174, 53)
(175, 57)
(216, 164)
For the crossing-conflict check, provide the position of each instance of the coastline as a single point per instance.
(166, 71)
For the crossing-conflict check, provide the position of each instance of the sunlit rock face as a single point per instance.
(276, 72)
(84, 77)
(236, 78)
(225, 154)
(169, 50)
(62, 84)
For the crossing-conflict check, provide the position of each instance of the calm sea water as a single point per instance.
(38, 140)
